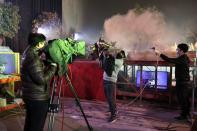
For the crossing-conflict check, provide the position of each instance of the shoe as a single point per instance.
(186, 119)
(180, 118)
(189, 119)
(112, 119)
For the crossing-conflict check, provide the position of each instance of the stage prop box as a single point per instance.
(87, 79)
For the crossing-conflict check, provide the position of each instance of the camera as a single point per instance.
(61, 51)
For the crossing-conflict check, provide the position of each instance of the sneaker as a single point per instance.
(189, 120)
(112, 119)
(186, 119)
(180, 118)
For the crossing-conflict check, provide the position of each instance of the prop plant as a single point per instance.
(9, 20)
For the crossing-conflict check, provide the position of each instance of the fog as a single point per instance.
(141, 31)
(170, 22)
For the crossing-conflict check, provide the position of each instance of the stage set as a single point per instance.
(145, 93)
(86, 77)
(153, 109)
(144, 113)
(137, 101)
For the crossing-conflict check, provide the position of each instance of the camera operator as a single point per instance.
(111, 68)
(35, 78)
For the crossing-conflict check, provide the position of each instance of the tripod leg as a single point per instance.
(78, 102)
(53, 90)
(53, 121)
(51, 101)
(49, 123)
(53, 107)
(60, 90)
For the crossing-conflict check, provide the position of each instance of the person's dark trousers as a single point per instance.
(36, 113)
(183, 95)
(109, 90)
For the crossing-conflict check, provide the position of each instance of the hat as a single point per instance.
(35, 38)
(184, 47)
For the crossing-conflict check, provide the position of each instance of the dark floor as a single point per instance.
(140, 116)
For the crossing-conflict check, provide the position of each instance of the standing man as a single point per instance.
(182, 78)
(35, 78)
(111, 68)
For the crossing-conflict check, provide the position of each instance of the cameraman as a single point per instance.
(109, 80)
(35, 78)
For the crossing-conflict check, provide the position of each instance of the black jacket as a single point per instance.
(181, 66)
(35, 76)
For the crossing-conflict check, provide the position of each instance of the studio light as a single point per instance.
(76, 36)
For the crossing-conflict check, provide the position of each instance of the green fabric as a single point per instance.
(61, 52)
(80, 47)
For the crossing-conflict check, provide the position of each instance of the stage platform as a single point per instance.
(140, 116)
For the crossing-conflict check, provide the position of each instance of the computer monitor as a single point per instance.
(148, 79)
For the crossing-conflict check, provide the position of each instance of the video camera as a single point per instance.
(61, 51)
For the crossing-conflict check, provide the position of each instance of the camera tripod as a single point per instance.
(54, 106)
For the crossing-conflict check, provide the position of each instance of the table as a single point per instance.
(11, 79)
(8, 107)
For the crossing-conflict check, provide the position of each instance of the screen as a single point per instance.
(148, 79)
(10, 62)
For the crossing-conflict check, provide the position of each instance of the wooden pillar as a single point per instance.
(133, 73)
(141, 81)
(156, 79)
(170, 87)
(126, 70)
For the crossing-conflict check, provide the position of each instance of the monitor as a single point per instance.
(148, 79)
(11, 63)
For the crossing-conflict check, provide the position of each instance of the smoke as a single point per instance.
(49, 24)
(139, 32)
(50, 30)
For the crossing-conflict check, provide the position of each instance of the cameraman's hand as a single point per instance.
(53, 64)
(57, 67)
